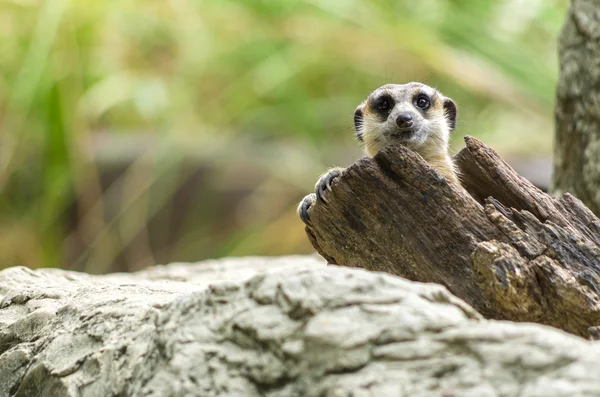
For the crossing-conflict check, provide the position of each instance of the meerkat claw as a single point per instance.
(304, 206)
(321, 197)
(324, 183)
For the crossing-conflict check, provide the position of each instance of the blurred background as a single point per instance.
(139, 132)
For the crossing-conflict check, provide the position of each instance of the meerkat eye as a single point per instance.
(422, 102)
(384, 104)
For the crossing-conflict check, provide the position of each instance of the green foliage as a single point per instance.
(262, 85)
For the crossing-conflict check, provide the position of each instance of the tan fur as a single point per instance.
(434, 149)
(376, 129)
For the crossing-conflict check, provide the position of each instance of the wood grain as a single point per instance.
(504, 246)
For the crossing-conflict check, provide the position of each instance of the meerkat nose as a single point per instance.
(404, 120)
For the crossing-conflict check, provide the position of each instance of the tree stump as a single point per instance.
(501, 244)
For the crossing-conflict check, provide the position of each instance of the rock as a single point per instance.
(287, 326)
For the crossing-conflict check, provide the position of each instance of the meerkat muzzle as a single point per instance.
(404, 121)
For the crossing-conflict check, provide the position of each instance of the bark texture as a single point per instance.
(505, 247)
(577, 136)
(270, 327)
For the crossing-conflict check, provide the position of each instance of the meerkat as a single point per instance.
(414, 115)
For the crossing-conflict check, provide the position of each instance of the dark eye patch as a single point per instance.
(383, 105)
(422, 101)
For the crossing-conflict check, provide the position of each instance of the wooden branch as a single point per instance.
(501, 244)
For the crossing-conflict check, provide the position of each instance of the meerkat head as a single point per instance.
(412, 114)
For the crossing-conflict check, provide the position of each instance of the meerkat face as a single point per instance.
(412, 114)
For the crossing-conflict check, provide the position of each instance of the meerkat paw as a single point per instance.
(304, 206)
(324, 183)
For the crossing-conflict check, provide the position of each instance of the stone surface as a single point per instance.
(286, 326)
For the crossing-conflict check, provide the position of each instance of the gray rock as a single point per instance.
(287, 326)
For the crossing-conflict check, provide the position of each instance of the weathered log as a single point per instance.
(504, 246)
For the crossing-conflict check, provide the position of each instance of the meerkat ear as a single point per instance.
(358, 121)
(450, 111)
